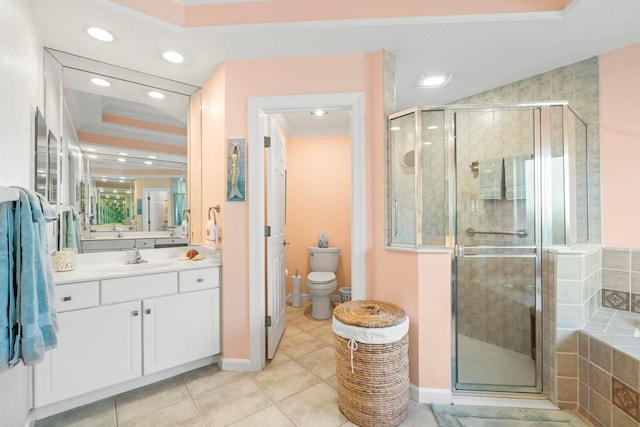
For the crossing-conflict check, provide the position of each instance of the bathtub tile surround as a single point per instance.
(609, 369)
(570, 299)
(621, 279)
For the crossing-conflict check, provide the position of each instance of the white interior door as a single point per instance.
(276, 242)
(154, 204)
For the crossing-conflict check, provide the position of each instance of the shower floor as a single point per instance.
(483, 363)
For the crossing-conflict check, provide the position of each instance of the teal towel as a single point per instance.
(35, 309)
(515, 177)
(70, 237)
(8, 322)
(490, 179)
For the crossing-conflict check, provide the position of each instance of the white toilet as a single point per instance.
(321, 282)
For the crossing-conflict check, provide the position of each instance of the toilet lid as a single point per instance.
(321, 277)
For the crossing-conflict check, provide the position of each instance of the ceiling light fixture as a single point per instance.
(394, 128)
(120, 159)
(319, 112)
(432, 127)
(433, 80)
(152, 157)
(100, 34)
(155, 94)
(148, 162)
(123, 154)
(100, 82)
(173, 56)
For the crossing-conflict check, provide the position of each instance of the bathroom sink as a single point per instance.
(145, 266)
(126, 267)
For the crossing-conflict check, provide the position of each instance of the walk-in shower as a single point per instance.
(497, 184)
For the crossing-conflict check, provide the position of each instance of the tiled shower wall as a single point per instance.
(579, 84)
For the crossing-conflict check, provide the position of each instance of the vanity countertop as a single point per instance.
(124, 235)
(107, 265)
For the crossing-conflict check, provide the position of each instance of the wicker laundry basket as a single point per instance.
(372, 362)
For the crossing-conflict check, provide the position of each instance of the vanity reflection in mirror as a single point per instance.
(124, 154)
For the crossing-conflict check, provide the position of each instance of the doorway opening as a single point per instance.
(259, 108)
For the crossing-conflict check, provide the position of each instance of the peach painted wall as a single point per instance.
(620, 133)
(225, 106)
(416, 282)
(318, 198)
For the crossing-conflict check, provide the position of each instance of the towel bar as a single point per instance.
(520, 233)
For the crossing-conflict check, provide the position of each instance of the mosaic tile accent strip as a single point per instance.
(625, 398)
(615, 299)
(635, 303)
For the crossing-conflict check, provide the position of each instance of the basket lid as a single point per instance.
(369, 314)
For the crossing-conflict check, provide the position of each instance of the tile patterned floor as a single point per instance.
(297, 388)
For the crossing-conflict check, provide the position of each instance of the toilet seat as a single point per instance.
(321, 278)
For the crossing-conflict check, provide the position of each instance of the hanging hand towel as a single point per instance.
(35, 308)
(7, 292)
(515, 177)
(490, 179)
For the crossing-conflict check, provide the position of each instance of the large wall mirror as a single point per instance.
(125, 136)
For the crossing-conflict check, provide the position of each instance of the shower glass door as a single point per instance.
(497, 265)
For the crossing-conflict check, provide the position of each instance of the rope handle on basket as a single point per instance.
(353, 346)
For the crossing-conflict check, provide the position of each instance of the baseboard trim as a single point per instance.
(441, 396)
(227, 364)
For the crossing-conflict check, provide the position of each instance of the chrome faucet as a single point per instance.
(136, 258)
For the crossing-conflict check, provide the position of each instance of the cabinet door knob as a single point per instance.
(148, 311)
(66, 298)
(200, 280)
(135, 313)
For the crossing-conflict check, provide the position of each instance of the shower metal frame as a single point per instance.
(543, 210)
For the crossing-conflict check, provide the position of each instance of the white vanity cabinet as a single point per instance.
(144, 324)
(180, 328)
(97, 347)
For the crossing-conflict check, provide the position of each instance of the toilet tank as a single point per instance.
(324, 259)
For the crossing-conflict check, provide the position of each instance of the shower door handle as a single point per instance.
(458, 251)
(395, 216)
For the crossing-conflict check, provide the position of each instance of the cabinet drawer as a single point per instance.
(77, 295)
(145, 243)
(138, 287)
(107, 245)
(196, 280)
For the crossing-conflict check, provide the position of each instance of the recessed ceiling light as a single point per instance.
(91, 149)
(433, 80)
(92, 156)
(120, 159)
(156, 94)
(123, 154)
(395, 127)
(148, 162)
(427, 143)
(173, 56)
(152, 157)
(432, 127)
(100, 82)
(100, 34)
(319, 112)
